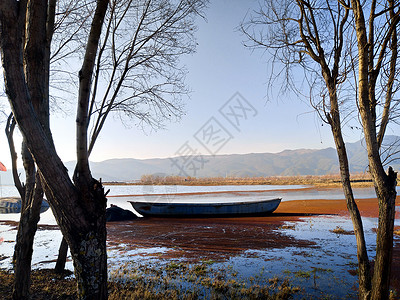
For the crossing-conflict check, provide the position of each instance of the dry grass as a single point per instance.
(45, 285)
(340, 230)
(332, 180)
(152, 284)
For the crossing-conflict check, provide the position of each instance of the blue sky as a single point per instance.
(219, 69)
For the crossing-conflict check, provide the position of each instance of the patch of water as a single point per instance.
(116, 190)
(45, 250)
(318, 270)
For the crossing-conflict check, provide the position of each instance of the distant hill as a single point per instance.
(288, 162)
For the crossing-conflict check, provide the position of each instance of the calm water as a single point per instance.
(10, 190)
(287, 192)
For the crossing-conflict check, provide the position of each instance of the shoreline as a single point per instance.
(328, 180)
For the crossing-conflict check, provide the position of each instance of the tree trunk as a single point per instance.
(87, 242)
(364, 276)
(384, 237)
(385, 184)
(35, 71)
(24, 243)
(79, 207)
(90, 262)
(62, 257)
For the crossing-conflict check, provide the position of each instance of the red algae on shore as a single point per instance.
(220, 238)
(225, 236)
(368, 207)
(204, 237)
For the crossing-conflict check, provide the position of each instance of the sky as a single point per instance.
(228, 111)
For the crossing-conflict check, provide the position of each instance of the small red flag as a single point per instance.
(2, 167)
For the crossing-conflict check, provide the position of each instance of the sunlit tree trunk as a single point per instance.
(364, 277)
(330, 76)
(385, 183)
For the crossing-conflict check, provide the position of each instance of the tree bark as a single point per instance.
(62, 257)
(90, 263)
(364, 275)
(385, 184)
(24, 243)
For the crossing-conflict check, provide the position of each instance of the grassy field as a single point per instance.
(332, 180)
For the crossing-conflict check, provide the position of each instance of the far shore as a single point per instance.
(330, 180)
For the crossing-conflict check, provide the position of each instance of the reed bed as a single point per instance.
(358, 179)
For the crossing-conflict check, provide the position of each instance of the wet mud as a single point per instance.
(226, 236)
(203, 238)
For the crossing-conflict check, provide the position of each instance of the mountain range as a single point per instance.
(285, 163)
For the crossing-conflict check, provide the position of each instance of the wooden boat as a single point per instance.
(217, 209)
(13, 205)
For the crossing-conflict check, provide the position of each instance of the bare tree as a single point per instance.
(370, 61)
(138, 76)
(139, 63)
(316, 39)
(79, 204)
(36, 72)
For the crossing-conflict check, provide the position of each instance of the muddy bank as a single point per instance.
(226, 236)
(203, 238)
(368, 207)
(221, 238)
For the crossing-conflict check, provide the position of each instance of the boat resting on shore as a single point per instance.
(14, 205)
(214, 209)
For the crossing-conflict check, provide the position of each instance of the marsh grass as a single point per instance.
(288, 226)
(177, 280)
(340, 230)
(331, 180)
(173, 280)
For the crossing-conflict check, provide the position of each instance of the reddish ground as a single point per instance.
(367, 207)
(217, 238)
(227, 235)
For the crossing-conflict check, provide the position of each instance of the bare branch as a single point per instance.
(10, 127)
